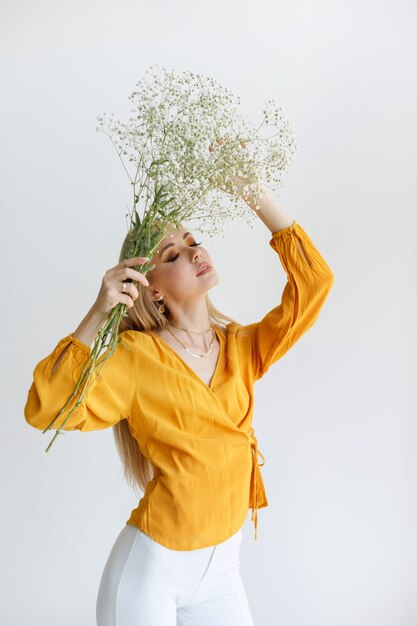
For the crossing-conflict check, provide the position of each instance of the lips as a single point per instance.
(202, 267)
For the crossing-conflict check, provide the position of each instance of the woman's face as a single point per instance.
(176, 265)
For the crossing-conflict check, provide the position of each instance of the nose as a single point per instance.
(196, 254)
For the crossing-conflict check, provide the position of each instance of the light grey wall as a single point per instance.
(336, 417)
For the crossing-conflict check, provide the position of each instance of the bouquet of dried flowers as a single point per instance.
(185, 143)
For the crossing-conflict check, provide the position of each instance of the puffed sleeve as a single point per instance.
(309, 280)
(108, 398)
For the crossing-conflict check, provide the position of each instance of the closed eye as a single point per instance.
(173, 258)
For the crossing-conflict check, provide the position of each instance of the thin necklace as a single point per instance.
(194, 332)
(192, 353)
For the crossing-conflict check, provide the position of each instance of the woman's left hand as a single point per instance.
(239, 181)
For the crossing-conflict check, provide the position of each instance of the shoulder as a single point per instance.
(135, 337)
(134, 345)
(135, 341)
(238, 331)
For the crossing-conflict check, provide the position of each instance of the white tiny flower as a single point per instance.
(184, 151)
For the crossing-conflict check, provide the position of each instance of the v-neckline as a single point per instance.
(188, 367)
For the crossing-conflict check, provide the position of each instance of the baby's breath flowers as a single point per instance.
(185, 146)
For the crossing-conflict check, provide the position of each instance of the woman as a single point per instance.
(178, 391)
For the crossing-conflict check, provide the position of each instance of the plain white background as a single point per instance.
(336, 417)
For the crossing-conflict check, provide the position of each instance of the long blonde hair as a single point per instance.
(144, 316)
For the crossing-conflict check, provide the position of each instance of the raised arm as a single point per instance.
(309, 281)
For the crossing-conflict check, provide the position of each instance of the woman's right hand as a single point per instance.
(111, 294)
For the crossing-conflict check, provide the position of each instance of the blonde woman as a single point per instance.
(178, 392)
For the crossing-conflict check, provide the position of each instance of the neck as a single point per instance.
(185, 326)
(193, 317)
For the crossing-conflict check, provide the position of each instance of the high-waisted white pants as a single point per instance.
(146, 584)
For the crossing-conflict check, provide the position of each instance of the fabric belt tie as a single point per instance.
(257, 498)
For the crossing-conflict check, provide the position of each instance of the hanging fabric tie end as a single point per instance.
(257, 484)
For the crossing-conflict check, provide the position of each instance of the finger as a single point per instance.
(130, 273)
(129, 289)
(127, 300)
(134, 260)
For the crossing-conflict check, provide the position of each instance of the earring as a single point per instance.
(161, 307)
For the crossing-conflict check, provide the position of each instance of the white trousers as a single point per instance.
(146, 584)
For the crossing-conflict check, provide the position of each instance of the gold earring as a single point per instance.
(161, 307)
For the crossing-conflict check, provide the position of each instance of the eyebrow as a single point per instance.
(172, 244)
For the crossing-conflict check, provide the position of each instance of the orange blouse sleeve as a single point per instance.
(108, 397)
(309, 280)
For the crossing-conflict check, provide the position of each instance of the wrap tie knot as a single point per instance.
(258, 496)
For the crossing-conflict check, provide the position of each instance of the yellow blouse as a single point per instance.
(198, 437)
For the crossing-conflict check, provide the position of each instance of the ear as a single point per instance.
(156, 295)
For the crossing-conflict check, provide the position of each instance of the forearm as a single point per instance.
(88, 328)
(270, 211)
(86, 332)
